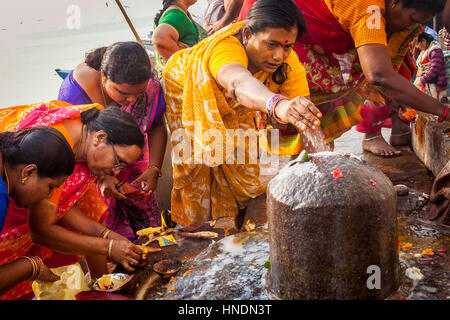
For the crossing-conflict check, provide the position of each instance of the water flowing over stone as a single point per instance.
(232, 268)
(314, 141)
(327, 229)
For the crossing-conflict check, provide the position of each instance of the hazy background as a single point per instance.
(38, 36)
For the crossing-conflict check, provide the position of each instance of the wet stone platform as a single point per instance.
(234, 265)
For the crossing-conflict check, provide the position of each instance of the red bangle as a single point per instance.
(444, 116)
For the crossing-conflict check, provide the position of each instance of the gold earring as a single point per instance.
(24, 179)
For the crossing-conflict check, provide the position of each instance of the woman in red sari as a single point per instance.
(67, 225)
(374, 35)
(32, 163)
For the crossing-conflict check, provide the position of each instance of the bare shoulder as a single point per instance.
(86, 76)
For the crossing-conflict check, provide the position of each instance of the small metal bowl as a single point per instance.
(167, 268)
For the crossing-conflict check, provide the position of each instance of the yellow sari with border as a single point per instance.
(199, 111)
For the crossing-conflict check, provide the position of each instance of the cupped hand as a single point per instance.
(126, 253)
(300, 112)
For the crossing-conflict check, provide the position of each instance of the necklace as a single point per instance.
(7, 179)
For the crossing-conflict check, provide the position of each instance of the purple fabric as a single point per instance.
(71, 92)
(437, 72)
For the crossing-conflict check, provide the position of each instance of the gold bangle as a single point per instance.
(34, 266)
(39, 264)
(105, 233)
(100, 180)
(157, 170)
(110, 247)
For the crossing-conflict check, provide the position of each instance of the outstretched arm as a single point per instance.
(377, 67)
(253, 94)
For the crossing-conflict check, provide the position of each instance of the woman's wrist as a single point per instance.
(271, 105)
(104, 234)
(156, 169)
(36, 267)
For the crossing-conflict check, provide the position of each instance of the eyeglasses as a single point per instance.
(118, 165)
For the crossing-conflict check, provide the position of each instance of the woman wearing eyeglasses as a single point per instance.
(68, 224)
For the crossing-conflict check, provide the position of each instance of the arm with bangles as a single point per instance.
(49, 232)
(253, 94)
(24, 269)
(377, 68)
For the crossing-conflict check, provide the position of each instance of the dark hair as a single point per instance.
(122, 62)
(166, 4)
(276, 14)
(120, 126)
(430, 6)
(45, 147)
(425, 36)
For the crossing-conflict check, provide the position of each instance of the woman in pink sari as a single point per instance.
(67, 225)
(121, 75)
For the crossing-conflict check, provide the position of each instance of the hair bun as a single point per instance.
(89, 115)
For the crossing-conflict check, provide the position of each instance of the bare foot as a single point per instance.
(401, 132)
(401, 139)
(376, 144)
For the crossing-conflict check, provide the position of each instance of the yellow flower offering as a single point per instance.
(427, 251)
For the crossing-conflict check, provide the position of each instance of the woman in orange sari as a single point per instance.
(32, 163)
(212, 91)
(104, 142)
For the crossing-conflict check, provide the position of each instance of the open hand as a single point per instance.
(300, 112)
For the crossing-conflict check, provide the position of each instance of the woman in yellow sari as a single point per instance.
(213, 90)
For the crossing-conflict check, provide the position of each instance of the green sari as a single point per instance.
(186, 28)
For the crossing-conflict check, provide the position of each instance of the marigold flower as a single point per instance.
(407, 246)
(427, 251)
(410, 114)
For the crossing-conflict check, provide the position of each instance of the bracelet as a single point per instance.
(444, 116)
(100, 180)
(157, 170)
(110, 247)
(105, 233)
(33, 265)
(271, 104)
(39, 264)
(37, 269)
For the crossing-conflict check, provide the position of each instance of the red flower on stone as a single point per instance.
(337, 174)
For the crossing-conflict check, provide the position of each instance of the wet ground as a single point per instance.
(233, 265)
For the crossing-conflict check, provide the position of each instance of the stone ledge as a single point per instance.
(430, 142)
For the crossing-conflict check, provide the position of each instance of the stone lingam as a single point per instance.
(333, 230)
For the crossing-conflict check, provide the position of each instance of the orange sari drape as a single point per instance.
(15, 239)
